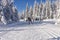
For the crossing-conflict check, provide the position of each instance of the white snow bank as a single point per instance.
(49, 20)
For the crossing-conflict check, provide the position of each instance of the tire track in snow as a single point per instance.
(44, 35)
(50, 32)
(54, 31)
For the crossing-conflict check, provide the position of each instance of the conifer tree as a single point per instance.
(27, 11)
(31, 12)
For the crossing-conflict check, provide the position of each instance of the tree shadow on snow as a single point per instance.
(24, 23)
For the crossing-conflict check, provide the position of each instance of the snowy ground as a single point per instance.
(45, 30)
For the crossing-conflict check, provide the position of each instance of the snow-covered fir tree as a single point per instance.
(34, 9)
(57, 16)
(9, 11)
(31, 12)
(58, 8)
(41, 8)
(27, 11)
(47, 10)
(23, 15)
(0, 9)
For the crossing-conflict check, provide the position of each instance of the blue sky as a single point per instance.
(21, 4)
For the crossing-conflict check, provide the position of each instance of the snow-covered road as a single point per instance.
(37, 31)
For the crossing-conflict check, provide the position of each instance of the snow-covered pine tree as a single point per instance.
(13, 11)
(44, 11)
(10, 12)
(48, 8)
(57, 12)
(26, 12)
(35, 8)
(54, 10)
(58, 9)
(23, 15)
(2, 17)
(41, 10)
(0, 10)
(31, 13)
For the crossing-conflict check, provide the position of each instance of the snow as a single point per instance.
(3, 20)
(44, 30)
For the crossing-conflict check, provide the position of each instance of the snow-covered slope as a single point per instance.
(36, 31)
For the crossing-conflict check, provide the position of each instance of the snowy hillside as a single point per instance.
(44, 30)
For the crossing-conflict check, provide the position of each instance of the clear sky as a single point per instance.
(21, 4)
